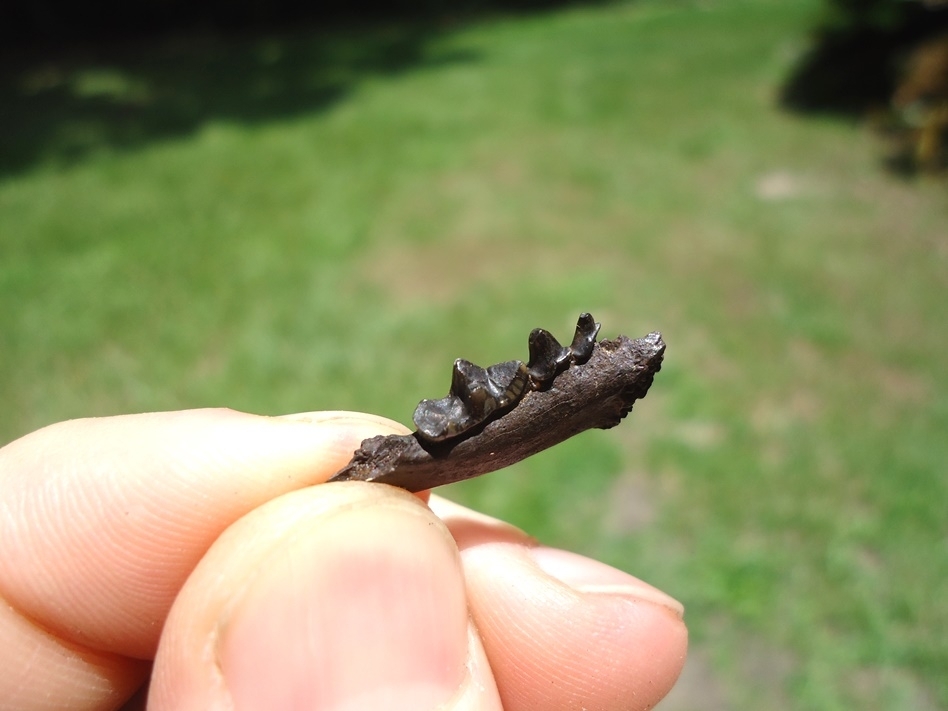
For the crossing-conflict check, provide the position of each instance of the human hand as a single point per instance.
(192, 545)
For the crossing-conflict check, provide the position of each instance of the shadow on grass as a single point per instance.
(846, 72)
(118, 96)
(854, 66)
(857, 68)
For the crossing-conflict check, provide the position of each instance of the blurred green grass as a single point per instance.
(338, 247)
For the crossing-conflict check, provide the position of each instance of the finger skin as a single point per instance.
(35, 665)
(585, 637)
(346, 596)
(102, 520)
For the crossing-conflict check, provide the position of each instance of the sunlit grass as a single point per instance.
(785, 478)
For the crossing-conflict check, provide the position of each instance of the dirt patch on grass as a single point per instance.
(630, 506)
(760, 673)
(454, 269)
(870, 684)
(698, 687)
(437, 273)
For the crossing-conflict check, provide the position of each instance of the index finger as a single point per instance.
(102, 520)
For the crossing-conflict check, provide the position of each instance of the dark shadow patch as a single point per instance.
(854, 64)
(120, 96)
(902, 164)
(75, 79)
(870, 63)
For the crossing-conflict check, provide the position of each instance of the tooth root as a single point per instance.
(508, 381)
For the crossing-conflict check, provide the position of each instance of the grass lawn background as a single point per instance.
(306, 221)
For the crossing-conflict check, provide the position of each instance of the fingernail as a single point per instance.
(368, 611)
(590, 576)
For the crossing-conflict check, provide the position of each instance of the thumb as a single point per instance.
(342, 596)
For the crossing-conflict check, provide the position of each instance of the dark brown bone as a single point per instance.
(595, 395)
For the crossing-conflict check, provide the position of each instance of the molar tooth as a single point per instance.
(547, 357)
(472, 384)
(476, 393)
(509, 381)
(438, 420)
(584, 339)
